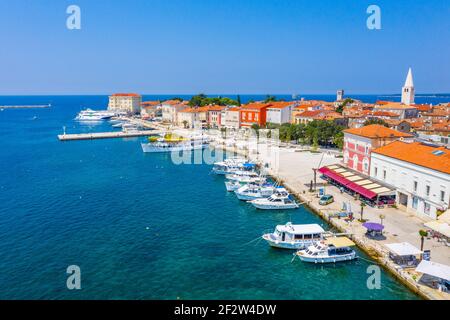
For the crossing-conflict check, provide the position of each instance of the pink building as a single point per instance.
(359, 143)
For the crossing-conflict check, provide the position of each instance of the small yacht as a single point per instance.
(237, 175)
(294, 236)
(233, 185)
(254, 191)
(332, 250)
(232, 165)
(280, 200)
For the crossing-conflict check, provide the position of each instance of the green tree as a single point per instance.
(238, 100)
(422, 234)
(270, 98)
(362, 211)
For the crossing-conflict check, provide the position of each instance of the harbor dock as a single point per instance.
(106, 135)
(27, 107)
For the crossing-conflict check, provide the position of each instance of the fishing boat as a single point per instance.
(331, 250)
(280, 200)
(254, 191)
(170, 143)
(294, 236)
(232, 165)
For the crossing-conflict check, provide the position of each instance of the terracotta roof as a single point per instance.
(234, 109)
(417, 153)
(309, 114)
(150, 103)
(126, 95)
(394, 105)
(377, 131)
(256, 105)
(281, 104)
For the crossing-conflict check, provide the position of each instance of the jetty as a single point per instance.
(41, 106)
(107, 135)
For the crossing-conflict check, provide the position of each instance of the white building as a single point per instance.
(420, 174)
(279, 112)
(125, 102)
(232, 118)
(187, 118)
(408, 89)
(170, 109)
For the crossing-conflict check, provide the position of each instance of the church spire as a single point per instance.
(408, 89)
(409, 79)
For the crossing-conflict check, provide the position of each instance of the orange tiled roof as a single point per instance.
(417, 153)
(281, 104)
(377, 131)
(234, 109)
(256, 105)
(150, 103)
(394, 105)
(126, 95)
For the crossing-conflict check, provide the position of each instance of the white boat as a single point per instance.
(294, 236)
(237, 175)
(233, 185)
(254, 191)
(167, 146)
(280, 200)
(94, 115)
(232, 165)
(332, 250)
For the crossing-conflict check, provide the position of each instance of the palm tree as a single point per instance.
(422, 234)
(362, 210)
(382, 218)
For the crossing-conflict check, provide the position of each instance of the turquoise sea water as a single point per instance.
(139, 226)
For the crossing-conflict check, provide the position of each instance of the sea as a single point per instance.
(139, 226)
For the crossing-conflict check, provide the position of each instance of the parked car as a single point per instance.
(326, 199)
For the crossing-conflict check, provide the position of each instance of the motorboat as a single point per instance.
(237, 175)
(280, 200)
(294, 236)
(233, 185)
(254, 191)
(232, 165)
(331, 250)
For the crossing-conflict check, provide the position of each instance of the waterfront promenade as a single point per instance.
(294, 170)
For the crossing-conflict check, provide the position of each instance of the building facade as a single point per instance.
(232, 118)
(280, 112)
(420, 174)
(359, 143)
(253, 113)
(170, 109)
(125, 102)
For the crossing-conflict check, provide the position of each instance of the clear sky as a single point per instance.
(223, 46)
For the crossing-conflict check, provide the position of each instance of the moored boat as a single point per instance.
(331, 250)
(280, 200)
(162, 145)
(294, 236)
(254, 191)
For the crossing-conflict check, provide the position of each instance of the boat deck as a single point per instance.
(107, 135)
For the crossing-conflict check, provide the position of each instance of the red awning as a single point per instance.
(361, 190)
(347, 183)
(336, 177)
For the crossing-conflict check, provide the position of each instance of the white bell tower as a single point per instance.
(408, 89)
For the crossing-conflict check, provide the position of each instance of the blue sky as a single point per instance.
(226, 46)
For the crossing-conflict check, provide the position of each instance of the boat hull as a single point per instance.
(329, 259)
(149, 148)
(264, 206)
(290, 245)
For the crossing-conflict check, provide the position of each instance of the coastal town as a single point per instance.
(385, 166)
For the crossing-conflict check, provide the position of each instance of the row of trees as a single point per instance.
(202, 100)
(315, 133)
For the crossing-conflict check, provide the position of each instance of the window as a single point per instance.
(442, 195)
(415, 202)
(426, 208)
(384, 174)
(415, 185)
(376, 171)
(427, 192)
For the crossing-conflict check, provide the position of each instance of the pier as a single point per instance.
(27, 107)
(106, 135)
